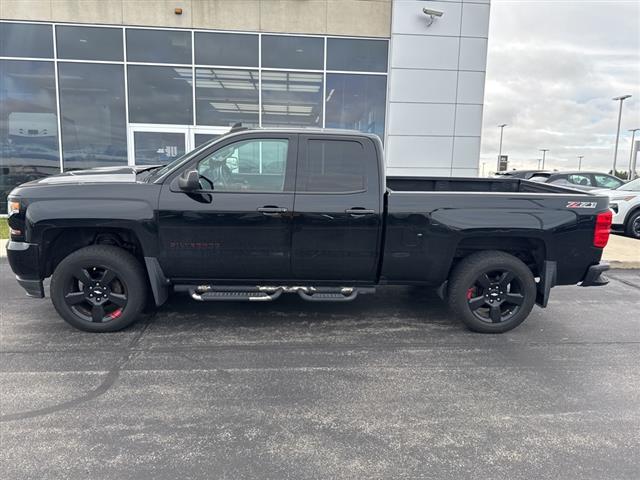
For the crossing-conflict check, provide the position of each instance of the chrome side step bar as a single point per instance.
(209, 293)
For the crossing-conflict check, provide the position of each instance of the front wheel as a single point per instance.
(632, 227)
(100, 288)
(492, 292)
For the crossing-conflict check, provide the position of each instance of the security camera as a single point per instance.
(432, 14)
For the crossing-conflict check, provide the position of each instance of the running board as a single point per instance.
(220, 293)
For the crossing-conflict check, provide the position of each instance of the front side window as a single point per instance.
(605, 181)
(251, 165)
(577, 179)
(333, 166)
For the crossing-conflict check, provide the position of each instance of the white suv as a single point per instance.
(625, 203)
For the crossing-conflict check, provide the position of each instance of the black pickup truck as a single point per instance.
(258, 213)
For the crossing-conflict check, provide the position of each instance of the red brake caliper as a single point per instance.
(470, 293)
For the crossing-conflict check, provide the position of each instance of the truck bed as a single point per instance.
(446, 184)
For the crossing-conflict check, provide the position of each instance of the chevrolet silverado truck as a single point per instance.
(260, 213)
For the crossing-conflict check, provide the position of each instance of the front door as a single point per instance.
(238, 226)
(338, 210)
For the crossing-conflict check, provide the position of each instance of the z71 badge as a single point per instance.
(582, 204)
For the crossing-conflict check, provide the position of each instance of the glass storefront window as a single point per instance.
(160, 94)
(225, 97)
(92, 109)
(26, 40)
(158, 46)
(303, 53)
(158, 148)
(89, 43)
(28, 124)
(356, 102)
(356, 55)
(226, 49)
(291, 99)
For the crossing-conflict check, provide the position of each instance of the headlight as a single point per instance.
(13, 207)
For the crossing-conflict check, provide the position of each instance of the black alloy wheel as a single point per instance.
(495, 296)
(99, 288)
(96, 294)
(491, 291)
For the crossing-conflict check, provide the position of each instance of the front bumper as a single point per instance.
(595, 277)
(24, 261)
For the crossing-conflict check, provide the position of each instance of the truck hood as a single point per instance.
(123, 174)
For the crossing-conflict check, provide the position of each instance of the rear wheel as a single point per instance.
(99, 288)
(632, 227)
(492, 292)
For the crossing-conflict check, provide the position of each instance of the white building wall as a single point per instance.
(436, 87)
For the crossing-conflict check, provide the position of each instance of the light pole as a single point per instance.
(580, 157)
(539, 162)
(501, 127)
(632, 162)
(615, 151)
(544, 155)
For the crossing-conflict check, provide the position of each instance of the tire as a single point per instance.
(100, 288)
(632, 226)
(491, 292)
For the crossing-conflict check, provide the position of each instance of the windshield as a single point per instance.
(180, 160)
(632, 186)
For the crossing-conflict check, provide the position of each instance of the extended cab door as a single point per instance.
(338, 209)
(238, 226)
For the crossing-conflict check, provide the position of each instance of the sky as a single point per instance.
(553, 68)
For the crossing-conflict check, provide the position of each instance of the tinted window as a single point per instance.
(225, 97)
(89, 43)
(333, 166)
(26, 40)
(356, 102)
(251, 165)
(605, 181)
(227, 49)
(160, 94)
(578, 179)
(292, 52)
(93, 115)
(28, 124)
(158, 46)
(358, 55)
(291, 99)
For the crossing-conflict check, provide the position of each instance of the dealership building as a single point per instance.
(87, 83)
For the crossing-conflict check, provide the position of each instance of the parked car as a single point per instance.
(625, 203)
(578, 179)
(326, 225)
(524, 174)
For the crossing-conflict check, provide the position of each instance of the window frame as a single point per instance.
(290, 168)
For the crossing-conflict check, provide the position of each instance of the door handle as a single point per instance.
(271, 210)
(357, 211)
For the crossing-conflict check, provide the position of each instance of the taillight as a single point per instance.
(603, 229)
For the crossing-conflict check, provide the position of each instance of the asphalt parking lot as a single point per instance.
(385, 387)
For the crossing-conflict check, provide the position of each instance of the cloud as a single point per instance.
(553, 68)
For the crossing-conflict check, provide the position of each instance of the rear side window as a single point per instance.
(333, 166)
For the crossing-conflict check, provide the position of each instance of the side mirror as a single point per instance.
(189, 181)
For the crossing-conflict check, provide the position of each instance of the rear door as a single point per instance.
(337, 209)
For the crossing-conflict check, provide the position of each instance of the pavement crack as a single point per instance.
(109, 380)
